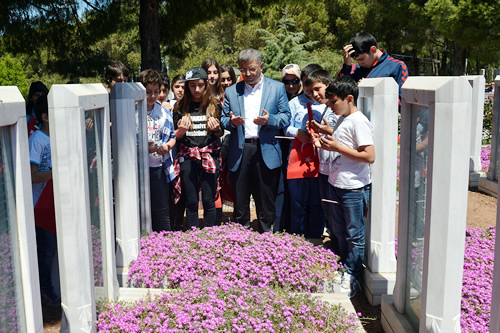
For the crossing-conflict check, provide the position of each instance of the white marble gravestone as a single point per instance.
(20, 304)
(378, 100)
(477, 83)
(490, 183)
(495, 297)
(432, 206)
(130, 169)
(81, 159)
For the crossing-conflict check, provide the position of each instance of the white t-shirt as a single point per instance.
(39, 144)
(160, 130)
(352, 131)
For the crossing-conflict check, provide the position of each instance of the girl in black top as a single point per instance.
(198, 128)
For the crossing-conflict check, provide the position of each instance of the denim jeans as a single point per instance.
(306, 214)
(46, 245)
(348, 225)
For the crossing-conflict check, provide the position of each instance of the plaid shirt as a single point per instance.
(195, 153)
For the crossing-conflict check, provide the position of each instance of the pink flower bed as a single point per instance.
(478, 279)
(224, 307)
(229, 279)
(234, 253)
(8, 295)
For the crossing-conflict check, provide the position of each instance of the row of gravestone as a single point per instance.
(81, 150)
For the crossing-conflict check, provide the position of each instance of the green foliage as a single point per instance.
(471, 24)
(12, 74)
(284, 47)
(57, 41)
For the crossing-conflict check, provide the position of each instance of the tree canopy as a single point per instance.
(78, 38)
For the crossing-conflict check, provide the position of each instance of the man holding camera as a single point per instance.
(371, 61)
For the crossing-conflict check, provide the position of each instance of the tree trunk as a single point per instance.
(443, 69)
(149, 29)
(416, 63)
(459, 56)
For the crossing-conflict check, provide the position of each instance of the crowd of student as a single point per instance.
(299, 147)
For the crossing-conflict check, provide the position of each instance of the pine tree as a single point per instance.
(283, 48)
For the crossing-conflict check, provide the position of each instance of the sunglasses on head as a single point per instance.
(294, 81)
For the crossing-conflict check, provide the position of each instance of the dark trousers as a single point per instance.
(159, 188)
(192, 177)
(282, 220)
(177, 212)
(46, 245)
(254, 178)
(306, 214)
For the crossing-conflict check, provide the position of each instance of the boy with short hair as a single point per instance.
(306, 211)
(43, 201)
(371, 61)
(161, 139)
(349, 179)
(315, 84)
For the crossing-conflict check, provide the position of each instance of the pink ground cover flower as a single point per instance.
(224, 307)
(234, 253)
(229, 279)
(478, 279)
(485, 158)
(8, 292)
(97, 255)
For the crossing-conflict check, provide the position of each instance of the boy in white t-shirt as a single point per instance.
(41, 173)
(161, 139)
(349, 178)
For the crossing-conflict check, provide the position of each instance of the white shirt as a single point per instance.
(39, 145)
(352, 131)
(252, 98)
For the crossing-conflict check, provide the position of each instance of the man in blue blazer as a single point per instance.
(255, 111)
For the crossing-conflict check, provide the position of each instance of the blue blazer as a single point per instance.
(275, 101)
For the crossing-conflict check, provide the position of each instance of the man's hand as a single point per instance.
(213, 124)
(262, 120)
(321, 128)
(348, 51)
(236, 121)
(304, 136)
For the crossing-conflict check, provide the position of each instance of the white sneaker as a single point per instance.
(349, 285)
(345, 285)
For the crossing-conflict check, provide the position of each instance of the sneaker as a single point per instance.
(345, 284)
(355, 286)
(349, 285)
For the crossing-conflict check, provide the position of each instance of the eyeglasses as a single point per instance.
(251, 70)
(294, 81)
(120, 80)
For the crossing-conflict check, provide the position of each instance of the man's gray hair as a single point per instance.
(248, 55)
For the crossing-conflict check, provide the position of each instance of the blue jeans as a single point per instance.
(323, 192)
(348, 225)
(306, 214)
(46, 245)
